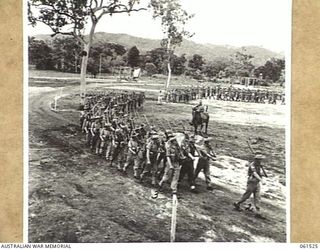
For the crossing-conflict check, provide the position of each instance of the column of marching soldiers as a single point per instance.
(115, 130)
(231, 93)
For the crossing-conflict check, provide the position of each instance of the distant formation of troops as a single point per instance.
(231, 93)
(111, 130)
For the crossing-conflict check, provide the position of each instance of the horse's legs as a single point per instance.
(195, 129)
(201, 127)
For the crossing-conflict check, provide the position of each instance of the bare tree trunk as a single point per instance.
(168, 65)
(169, 74)
(84, 62)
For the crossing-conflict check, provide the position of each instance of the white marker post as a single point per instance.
(55, 102)
(174, 218)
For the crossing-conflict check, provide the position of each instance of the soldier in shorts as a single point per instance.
(173, 166)
(206, 153)
(106, 140)
(87, 128)
(253, 183)
(118, 144)
(152, 149)
(132, 156)
(161, 156)
(95, 132)
(187, 163)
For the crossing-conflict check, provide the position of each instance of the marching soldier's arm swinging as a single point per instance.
(86, 128)
(91, 129)
(169, 162)
(101, 134)
(131, 148)
(255, 174)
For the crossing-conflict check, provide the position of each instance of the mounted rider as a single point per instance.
(198, 108)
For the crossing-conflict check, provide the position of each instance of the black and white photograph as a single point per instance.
(158, 120)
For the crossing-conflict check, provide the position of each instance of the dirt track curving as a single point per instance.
(75, 196)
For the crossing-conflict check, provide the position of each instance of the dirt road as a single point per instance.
(75, 196)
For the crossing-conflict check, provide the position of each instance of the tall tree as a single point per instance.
(272, 69)
(173, 19)
(157, 57)
(212, 68)
(66, 54)
(71, 17)
(40, 54)
(196, 62)
(102, 56)
(241, 64)
(178, 64)
(133, 57)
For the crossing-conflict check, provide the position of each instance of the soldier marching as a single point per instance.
(111, 131)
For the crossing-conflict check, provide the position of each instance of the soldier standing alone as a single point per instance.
(253, 183)
(206, 153)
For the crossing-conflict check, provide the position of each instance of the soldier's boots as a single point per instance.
(111, 163)
(158, 175)
(124, 170)
(250, 207)
(135, 175)
(100, 151)
(108, 157)
(141, 178)
(119, 168)
(237, 206)
(153, 182)
(209, 188)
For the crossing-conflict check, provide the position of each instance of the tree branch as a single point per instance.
(119, 11)
(96, 2)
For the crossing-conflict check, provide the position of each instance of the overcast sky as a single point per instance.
(264, 23)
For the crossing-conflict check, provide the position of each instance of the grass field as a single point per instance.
(39, 77)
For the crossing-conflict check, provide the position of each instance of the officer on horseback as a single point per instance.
(198, 108)
(200, 117)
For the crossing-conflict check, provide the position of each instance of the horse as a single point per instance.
(200, 118)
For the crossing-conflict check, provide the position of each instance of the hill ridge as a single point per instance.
(209, 51)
